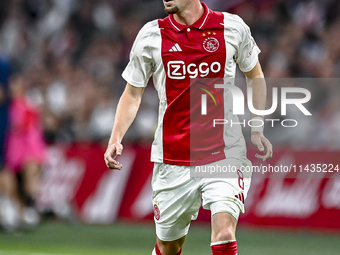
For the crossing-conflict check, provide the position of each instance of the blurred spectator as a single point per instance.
(4, 101)
(25, 151)
(7, 217)
(102, 117)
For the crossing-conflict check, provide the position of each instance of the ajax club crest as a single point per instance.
(211, 44)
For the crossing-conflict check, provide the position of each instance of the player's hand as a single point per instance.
(111, 153)
(263, 145)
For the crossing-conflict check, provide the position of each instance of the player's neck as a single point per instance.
(190, 15)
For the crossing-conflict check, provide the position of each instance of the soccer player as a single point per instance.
(191, 44)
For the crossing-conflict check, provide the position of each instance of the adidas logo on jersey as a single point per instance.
(176, 48)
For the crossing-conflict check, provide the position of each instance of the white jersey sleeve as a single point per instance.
(140, 66)
(246, 55)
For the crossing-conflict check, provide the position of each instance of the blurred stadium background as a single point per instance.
(71, 54)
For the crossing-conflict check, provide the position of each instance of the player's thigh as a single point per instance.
(227, 193)
(176, 200)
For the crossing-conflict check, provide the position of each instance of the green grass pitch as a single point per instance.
(138, 239)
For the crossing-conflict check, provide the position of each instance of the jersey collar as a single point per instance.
(200, 23)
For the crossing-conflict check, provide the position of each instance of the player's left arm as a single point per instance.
(255, 80)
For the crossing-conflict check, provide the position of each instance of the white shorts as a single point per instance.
(177, 196)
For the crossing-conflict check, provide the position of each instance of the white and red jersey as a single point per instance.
(177, 56)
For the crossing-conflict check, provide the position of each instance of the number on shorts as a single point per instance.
(240, 179)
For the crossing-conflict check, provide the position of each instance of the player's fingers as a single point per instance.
(111, 152)
(268, 150)
(258, 143)
(112, 164)
(109, 157)
(115, 165)
(259, 156)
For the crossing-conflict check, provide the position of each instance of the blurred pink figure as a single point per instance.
(25, 143)
(25, 150)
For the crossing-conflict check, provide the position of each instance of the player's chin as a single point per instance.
(171, 9)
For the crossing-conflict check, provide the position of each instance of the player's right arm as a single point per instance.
(127, 108)
(137, 73)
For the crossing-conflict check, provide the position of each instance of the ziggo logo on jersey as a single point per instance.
(177, 69)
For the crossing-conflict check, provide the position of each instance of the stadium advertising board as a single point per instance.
(81, 182)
